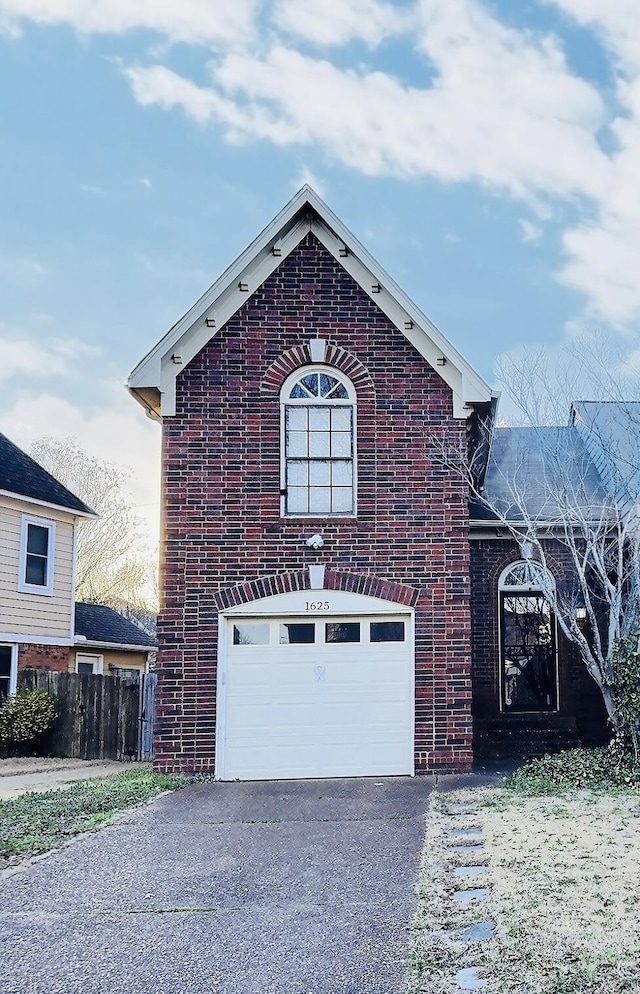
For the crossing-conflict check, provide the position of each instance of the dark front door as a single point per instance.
(528, 653)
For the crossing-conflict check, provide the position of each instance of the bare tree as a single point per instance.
(112, 564)
(578, 486)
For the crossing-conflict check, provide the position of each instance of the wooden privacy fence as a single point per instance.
(99, 717)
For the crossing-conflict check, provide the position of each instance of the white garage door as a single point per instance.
(307, 697)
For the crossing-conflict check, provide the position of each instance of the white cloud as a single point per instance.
(22, 357)
(534, 138)
(199, 22)
(115, 429)
(23, 267)
(96, 191)
(531, 233)
(615, 19)
(306, 177)
(145, 182)
(337, 22)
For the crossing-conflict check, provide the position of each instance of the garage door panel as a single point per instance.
(318, 709)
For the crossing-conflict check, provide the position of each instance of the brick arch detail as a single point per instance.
(283, 583)
(300, 355)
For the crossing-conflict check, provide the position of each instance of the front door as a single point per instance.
(529, 681)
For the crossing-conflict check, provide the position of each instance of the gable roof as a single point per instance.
(542, 471)
(22, 476)
(153, 381)
(611, 433)
(101, 624)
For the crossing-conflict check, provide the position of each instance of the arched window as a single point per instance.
(527, 639)
(318, 431)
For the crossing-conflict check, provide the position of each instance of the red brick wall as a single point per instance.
(43, 657)
(578, 694)
(221, 491)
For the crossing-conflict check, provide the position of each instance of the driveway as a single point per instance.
(303, 887)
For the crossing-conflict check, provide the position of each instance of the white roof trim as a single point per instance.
(80, 642)
(156, 374)
(54, 507)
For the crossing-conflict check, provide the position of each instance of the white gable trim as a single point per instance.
(153, 381)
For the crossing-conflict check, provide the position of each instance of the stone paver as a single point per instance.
(468, 979)
(264, 888)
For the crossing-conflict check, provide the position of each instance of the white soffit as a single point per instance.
(153, 381)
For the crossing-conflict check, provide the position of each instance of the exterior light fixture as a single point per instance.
(315, 541)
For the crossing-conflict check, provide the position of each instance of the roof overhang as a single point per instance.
(71, 511)
(80, 642)
(153, 381)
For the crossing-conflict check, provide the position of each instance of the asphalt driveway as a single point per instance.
(302, 887)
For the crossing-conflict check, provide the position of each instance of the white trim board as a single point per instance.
(153, 380)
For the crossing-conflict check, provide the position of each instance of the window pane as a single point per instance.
(320, 474)
(310, 382)
(37, 540)
(36, 571)
(319, 444)
(341, 418)
(297, 500)
(302, 634)
(85, 668)
(342, 631)
(4, 687)
(342, 473)
(341, 443)
(320, 500)
(246, 633)
(339, 392)
(327, 384)
(297, 474)
(319, 418)
(297, 418)
(298, 392)
(342, 500)
(387, 631)
(5, 661)
(297, 443)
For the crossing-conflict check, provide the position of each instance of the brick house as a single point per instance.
(316, 553)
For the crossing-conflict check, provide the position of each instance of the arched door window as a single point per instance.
(527, 639)
(318, 431)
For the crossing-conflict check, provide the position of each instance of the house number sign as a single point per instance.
(317, 606)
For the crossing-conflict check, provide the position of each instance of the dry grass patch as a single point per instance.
(565, 895)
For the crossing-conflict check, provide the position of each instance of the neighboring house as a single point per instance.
(318, 555)
(38, 519)
(105, 642)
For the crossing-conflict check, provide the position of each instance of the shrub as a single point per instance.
(592, 768)
(25, 717)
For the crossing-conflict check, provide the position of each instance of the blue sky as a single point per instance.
(487, 154)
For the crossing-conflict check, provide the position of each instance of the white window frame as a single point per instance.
(13, 675)
(45, 590)
(286, 401)
(96, 660)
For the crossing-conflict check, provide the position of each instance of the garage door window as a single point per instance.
(342, 631)
(250, 634)
(386, 631)
(300, 634)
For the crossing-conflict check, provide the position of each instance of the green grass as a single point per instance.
(34, 823)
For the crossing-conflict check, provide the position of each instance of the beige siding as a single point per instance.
(35, 615)
(112, 657)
